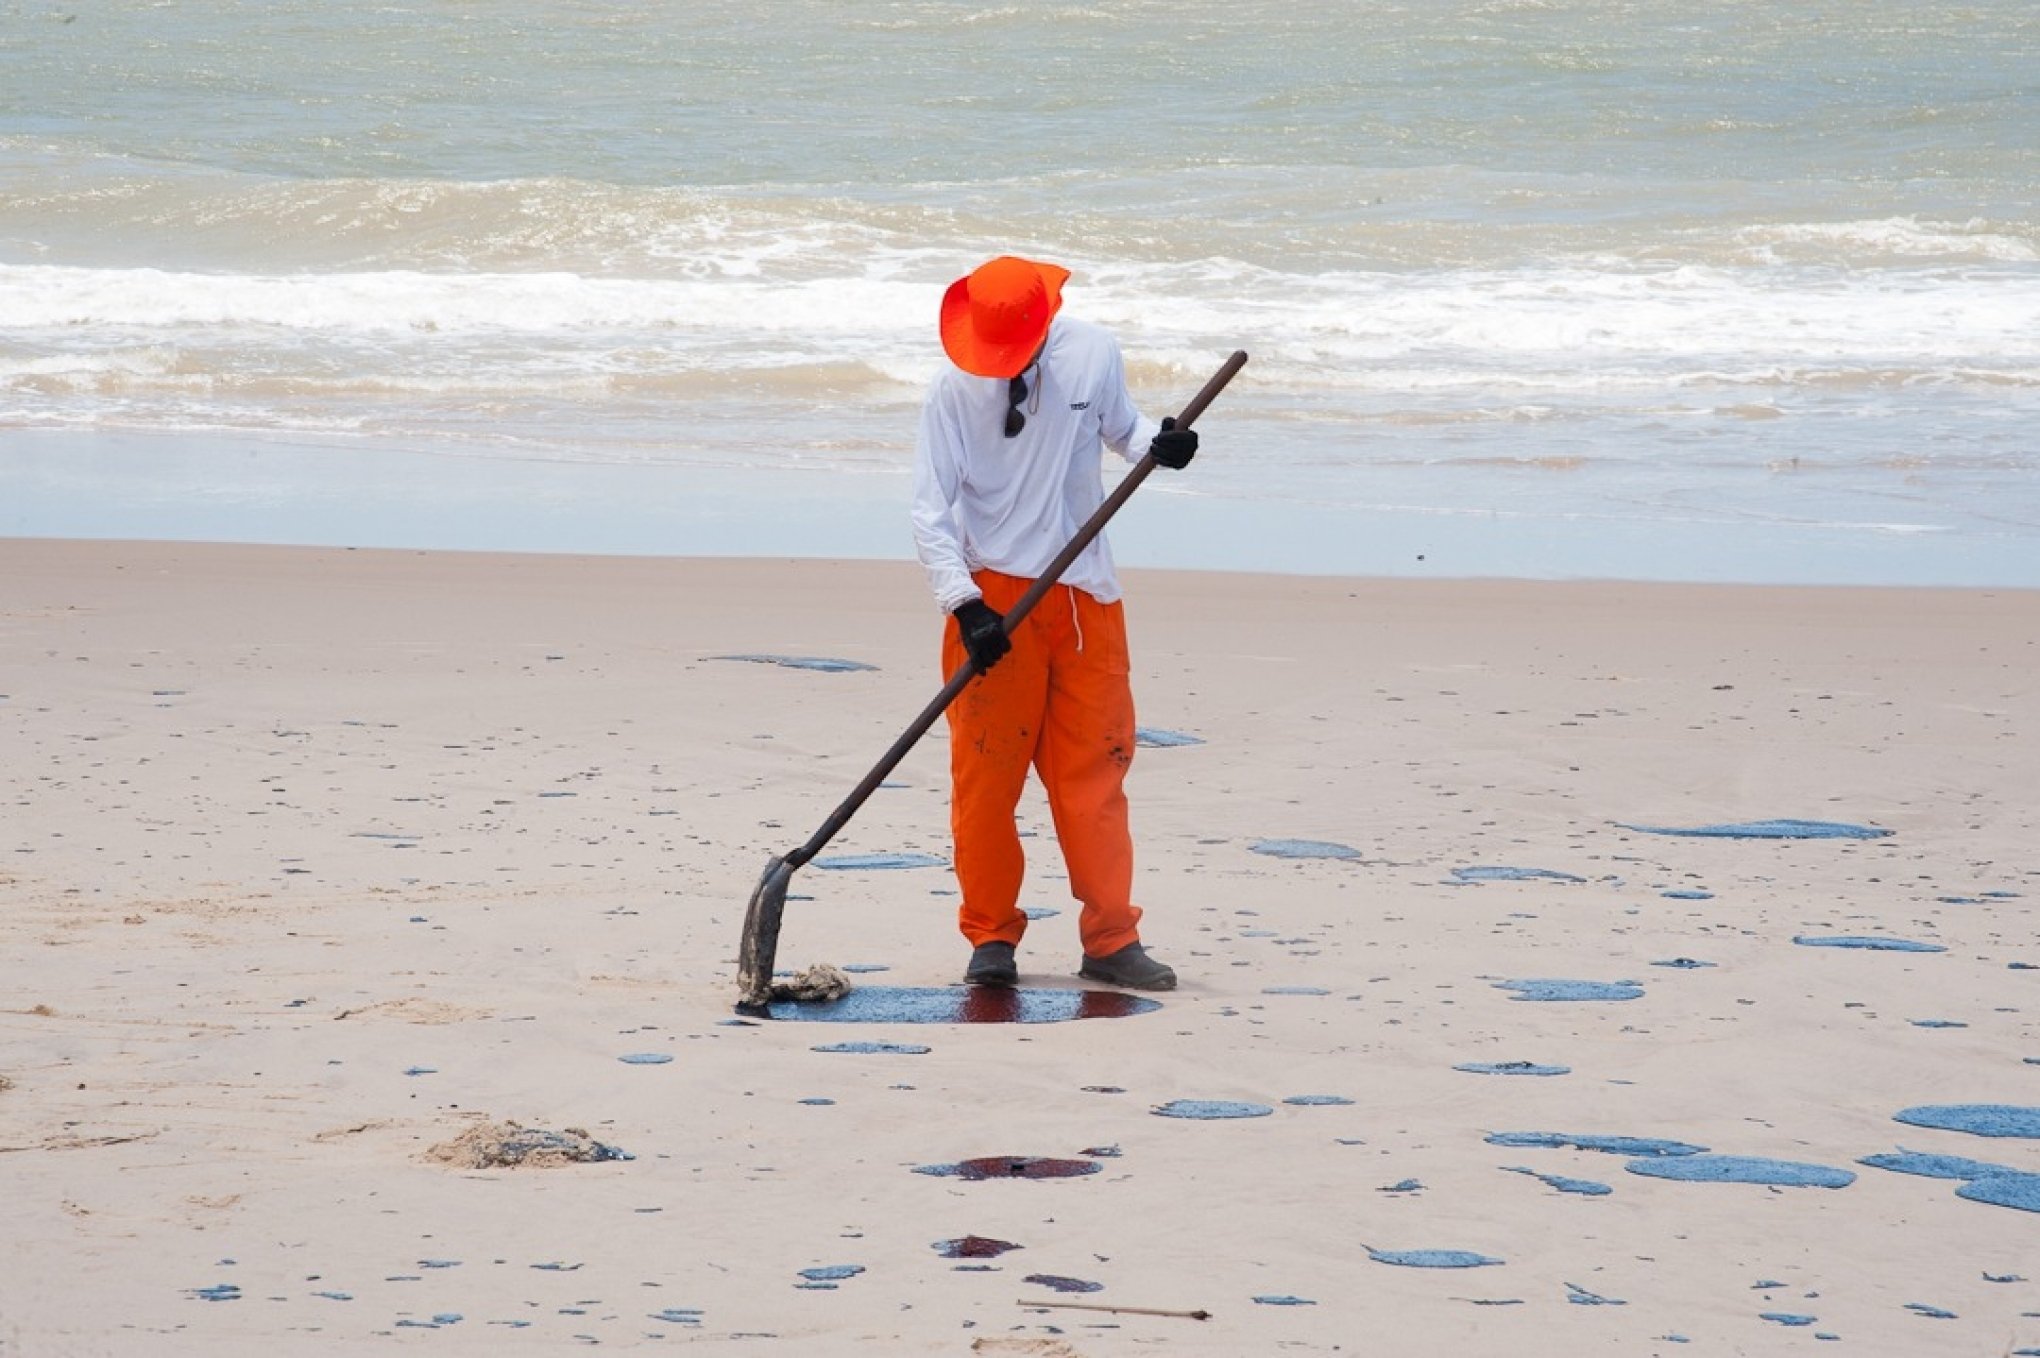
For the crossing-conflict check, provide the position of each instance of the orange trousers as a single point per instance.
(1061, 702)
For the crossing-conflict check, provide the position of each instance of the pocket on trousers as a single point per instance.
(1108, 634)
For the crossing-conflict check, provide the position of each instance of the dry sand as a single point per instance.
(314, 861)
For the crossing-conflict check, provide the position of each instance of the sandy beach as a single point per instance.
(316, 860)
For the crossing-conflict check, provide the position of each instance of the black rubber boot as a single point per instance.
(992, 964)
(1130, 967)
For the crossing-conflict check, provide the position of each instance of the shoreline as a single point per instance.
(304, 491)
(1308, 581)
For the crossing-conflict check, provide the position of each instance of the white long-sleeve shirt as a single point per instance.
(1010, 504)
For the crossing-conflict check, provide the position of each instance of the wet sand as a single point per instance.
(317, 861)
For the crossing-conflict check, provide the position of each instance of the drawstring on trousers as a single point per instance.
(1076, 621)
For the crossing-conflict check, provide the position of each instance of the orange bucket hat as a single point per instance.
(995, 319)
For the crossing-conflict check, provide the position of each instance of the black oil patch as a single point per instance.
(1210, 1110)
(874, 1049)
(879, 862)
(1304, 848)
(822, 663)
(1766, 829)
(963, 1004)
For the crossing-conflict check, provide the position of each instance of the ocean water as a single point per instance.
(1691, 289)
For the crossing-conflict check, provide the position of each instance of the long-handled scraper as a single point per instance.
(768, 902)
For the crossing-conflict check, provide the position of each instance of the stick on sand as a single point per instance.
(1119, 1310)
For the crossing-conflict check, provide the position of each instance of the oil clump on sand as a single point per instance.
(1010, 1167)
(974, 1247)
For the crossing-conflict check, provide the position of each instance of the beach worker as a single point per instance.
(1007, 467)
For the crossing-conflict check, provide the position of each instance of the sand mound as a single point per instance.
(1024, 1348)
(416, 1010)
(819, 982)
(507, 1145)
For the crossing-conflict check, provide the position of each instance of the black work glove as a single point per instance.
(983, 631)
(1173, 448)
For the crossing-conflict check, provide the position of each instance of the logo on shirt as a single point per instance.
(1080, 405)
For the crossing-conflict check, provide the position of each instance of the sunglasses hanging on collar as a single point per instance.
(1016, 392)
